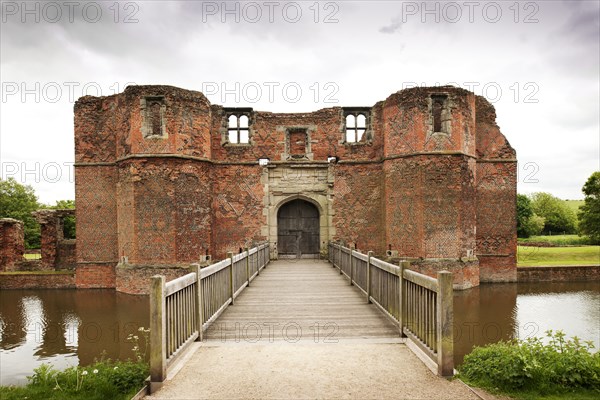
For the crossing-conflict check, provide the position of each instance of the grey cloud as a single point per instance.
(394, 26)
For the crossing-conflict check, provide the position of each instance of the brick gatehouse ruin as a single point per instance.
(164, 178)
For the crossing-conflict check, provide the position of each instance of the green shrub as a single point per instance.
(531, 365)
(558, 240)
(102, 380)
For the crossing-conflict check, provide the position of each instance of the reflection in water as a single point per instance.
(482, 315)
(65, 328)
(489, 313)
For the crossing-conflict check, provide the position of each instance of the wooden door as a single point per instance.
(298, 229)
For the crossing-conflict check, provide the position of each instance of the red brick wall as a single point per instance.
(92, 276)
(38, 281)
(164, 210)
(137, 279)
(496, 190)
(465, 272)
(237, 207)
(96, 213)
(429, 178)
(406, 122)
(66, 254)
(326, 129)
(187, 119)
(558, 274)
(358, 205)
(49, 242)
(11, 244)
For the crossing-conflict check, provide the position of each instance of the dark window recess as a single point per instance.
(155, 118)
(439, 113)
(438, 104)
(297, 143)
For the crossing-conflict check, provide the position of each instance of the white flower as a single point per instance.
(141, 329)
(95, 371)
(84, 373)
(135, 337)
(115, 368)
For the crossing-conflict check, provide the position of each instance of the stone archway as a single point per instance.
(298, 229)
(309, 183)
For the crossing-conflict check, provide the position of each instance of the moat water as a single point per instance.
(74, 327)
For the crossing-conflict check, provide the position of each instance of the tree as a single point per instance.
(69, 221)
(589, 212)
(528, 223)
(533, 226)
(524, 212)
(559, 218)
(18, 201)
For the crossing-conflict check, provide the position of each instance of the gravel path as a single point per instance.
(308, 371)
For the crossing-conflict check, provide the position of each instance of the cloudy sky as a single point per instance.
(536, 61)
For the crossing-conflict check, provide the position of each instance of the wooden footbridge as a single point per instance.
(241, 302)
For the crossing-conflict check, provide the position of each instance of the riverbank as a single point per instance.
(37, 280)
(559, 273)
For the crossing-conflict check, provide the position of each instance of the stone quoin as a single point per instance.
(164, 178)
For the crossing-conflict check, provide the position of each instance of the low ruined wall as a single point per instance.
(558, 274)
(37, 280)
(11, 244)
(66, 254)
(136, 279)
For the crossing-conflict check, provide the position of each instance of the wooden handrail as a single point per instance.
(421, 306)
(182, 309)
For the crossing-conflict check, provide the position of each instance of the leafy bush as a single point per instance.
(559, 366)
(557, 240)
(102, 380)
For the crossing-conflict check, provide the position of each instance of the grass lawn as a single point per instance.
(541, 256)
(32, 256)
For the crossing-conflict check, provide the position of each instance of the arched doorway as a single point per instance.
(298, 229)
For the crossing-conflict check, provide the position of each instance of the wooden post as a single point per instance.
(351, 267)
(445, 317)
(267, 251)
(333, 256)
(248, 266)
(369, 254)
(258, 259)
(158, 349)
(231, 276)
(403, 265)
(199, 301)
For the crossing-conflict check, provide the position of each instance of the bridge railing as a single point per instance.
(182, 309)
(421, 306)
